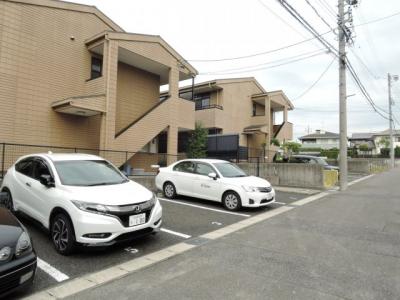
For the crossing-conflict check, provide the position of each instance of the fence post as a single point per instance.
(75, 150)
(2, 160)
(258, 166)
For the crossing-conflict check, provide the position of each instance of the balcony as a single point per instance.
(211, 106)
(211, 116)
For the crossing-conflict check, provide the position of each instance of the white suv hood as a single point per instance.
(248, 181)
(115, 194)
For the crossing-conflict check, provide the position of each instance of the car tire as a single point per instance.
(62, 234)
(231, 201)
(169, 190)
(8, 201)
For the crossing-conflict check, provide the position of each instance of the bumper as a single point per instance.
(17, 275)
(89, 223)
(258, 199)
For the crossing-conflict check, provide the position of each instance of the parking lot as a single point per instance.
(183, 218)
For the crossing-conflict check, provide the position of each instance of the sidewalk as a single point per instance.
(343, 246)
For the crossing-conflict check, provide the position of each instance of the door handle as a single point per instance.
(28, 184)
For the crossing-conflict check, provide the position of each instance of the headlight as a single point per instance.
(23, 245)
(91, 207)
(249, 189)
(5, 253)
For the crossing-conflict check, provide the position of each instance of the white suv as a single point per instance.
(215, 180)
(81, 199)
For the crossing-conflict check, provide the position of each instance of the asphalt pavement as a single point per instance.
(345, 245)
(184, 219)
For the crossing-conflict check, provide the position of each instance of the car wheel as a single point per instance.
(8, 201)
(231, 201)
(62, 234)
(169, 190)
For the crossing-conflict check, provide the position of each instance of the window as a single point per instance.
(40, 169)
(204, 169)
(254, 109)
(96, 68)
(202, 101)
(398, 139)
(230, 170)
(25, 167)
(185, 166)
(88, 173)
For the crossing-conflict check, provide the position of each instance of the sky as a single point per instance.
(226, 29)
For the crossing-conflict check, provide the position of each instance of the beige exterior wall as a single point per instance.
(44, 58)
(137, 92)
(237, 98)
(40, 64)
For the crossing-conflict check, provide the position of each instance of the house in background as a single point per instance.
(374, 141)
(320, 139)
(71, 77)
(241, 116)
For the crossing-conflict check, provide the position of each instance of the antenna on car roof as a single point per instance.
(49, 152)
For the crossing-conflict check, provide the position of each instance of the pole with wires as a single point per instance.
(390, 78)
(342, 99)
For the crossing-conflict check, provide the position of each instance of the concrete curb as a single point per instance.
(92, 280)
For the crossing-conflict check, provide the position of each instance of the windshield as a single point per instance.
(321, 161)
(88, 173)
(229, 170)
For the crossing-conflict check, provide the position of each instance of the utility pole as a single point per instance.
(342, 99)
(390, 78)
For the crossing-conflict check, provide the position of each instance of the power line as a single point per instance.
(319, 16)
(265, 68)
(287, 46)
(268, 63)
(315, 82)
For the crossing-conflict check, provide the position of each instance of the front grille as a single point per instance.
(11, 280)
(124, 215)
(133, 235)
(264, 189)
(266, 200)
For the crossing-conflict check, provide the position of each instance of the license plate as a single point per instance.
(137, 219)
(25, 277)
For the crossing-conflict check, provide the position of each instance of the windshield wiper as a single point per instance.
(99, 183)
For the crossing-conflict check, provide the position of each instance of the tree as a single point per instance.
(384, 142)
(291, 147)
(197, 145)
(275, 142)
(363, 148)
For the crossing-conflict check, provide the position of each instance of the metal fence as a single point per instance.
(139, 163)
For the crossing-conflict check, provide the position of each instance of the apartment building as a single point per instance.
(71, 77)
(241, 107)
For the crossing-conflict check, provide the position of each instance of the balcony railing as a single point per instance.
(209, 107)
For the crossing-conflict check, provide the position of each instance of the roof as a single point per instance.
(371, 135)
(325, 135)
(127, 36)
(276, 93)
(224, 81)
(67, 156)
(362, 136)
(207, 160)
(73, 7)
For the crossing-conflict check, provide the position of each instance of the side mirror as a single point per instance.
(213, 175)
(47, 180)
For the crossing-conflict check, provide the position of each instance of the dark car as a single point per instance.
(17, 257)
(309, 159)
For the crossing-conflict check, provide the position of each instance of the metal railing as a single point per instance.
(210, 107)
(139, 162)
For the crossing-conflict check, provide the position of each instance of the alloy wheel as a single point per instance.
(60, 234)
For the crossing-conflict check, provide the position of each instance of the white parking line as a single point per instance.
(50, 270)
(206, 208)
(185, 236)
(279, 203)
